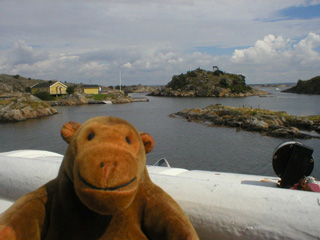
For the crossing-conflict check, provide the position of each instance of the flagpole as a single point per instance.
(120, 79)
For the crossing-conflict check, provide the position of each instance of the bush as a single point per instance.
(70, 90)
(191, 74)
(217, 73)
(28, 89)
(44, 96)
(240, 88)
(223, 83)
(178, 82)
(118, 87)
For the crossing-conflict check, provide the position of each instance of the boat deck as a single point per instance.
(219, 205)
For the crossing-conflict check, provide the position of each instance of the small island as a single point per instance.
(202, 83)
(23, 107)
(311, 86)
(271, 123)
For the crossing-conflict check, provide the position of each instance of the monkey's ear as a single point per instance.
(148, 141)
(68, 130)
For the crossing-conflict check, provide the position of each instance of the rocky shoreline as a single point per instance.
(311, 86)
(219, 92)
(70, 100)
(23, 107)
(271, 123)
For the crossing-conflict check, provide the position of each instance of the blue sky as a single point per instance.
(150, 41)
(301, 12)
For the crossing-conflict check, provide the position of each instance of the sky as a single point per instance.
(90, 42)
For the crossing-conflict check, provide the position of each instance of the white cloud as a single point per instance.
(304, 50)
(272, 59)
(280, 59)
(21, 53)
(275, 50)
(128, 65)
(263, 51)
(152, 40)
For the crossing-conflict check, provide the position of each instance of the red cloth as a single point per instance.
(314, 187)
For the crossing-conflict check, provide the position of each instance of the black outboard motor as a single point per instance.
(291, 162)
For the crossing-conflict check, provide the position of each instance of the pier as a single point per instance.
(140, 99)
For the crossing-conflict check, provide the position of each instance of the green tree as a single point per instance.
(215, 68)
(191, 74)
(178, 82)
(70, 90)
(224, 83)
(28, 89)
(122, 87)
(218, 73)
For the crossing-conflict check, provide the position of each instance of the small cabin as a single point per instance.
(91, 89)
(52, 87)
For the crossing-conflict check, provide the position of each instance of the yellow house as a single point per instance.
(91, 89)
(52, 87)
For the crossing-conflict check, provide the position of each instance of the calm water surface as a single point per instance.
(184, 144)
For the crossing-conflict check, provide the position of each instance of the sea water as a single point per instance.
(184, 144)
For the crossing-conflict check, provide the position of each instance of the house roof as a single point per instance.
(91, 86)
(47, 84)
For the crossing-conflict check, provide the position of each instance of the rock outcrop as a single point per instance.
(311, 86)
(82, 99)
(202, 83)
(23, 107)
(70, 100)
(118, 97)
(272, 123)
(121, 100)
(139, 89)
(15, 83)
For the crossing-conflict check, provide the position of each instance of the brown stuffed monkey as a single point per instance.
(102, 191)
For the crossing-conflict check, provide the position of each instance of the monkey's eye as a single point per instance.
(128, 140)
(91, 136)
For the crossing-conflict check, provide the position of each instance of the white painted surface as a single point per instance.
(220, 205)
(24, 171)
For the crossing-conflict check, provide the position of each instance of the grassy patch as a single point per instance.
(249, 111)
(6, 102)
(314, 117)
(101, 97)
(20, 103)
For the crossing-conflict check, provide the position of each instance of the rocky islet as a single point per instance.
(311, 86)
(23, 107)
(203, 83)
(271, 123)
